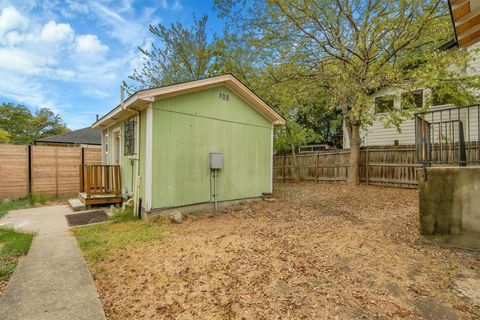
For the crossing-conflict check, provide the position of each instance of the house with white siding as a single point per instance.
(379, 134)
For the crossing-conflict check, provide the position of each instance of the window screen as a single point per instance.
(129, 137)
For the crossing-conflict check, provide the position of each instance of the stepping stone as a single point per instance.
(76, 205)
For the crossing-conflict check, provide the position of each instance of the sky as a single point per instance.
(72, 56)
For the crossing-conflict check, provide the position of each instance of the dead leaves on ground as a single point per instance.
(316, 252)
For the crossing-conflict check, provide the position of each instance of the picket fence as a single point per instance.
(383, 166)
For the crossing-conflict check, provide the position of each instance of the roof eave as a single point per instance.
(140, 100)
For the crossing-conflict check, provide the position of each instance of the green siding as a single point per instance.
(187, 128)
(142, 153)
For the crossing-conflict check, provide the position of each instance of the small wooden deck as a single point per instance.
(100, 184)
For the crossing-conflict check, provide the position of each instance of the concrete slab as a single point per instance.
(52, 281)
(76, 205)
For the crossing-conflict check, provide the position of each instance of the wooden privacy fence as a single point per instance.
(46, 170)
(378, 166)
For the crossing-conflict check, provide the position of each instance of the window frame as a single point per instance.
(129, 137)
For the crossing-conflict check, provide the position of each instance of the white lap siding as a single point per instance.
(377, 134)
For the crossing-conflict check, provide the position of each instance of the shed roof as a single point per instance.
(81, 136)
(141, 99)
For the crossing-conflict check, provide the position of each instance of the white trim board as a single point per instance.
(148, 157)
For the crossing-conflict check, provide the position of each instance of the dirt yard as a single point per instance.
(315, 252)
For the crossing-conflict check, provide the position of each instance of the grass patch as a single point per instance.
(31, 201)
(122, 215)
(13, 245)
(14, 205)
(97, 241)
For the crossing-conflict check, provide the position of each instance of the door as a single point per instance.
(116, 147)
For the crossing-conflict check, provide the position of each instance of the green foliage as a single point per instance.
(122, 215)
(178, 54)
(14, 205)
(353, 48)
(4, 136)
(21, 126)
(97, 241)
(13, 244)
(34, 199)
(23, 203)
(299, 136)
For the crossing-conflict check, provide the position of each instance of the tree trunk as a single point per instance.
(354, 165)
(295, 163)
(294, 155)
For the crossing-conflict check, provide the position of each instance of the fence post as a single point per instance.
(316, 168)
(283, 171)
(367, 161)
(82, 183)
(56, 172)
(29, 169)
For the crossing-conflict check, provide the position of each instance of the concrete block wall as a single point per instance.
(450, 200)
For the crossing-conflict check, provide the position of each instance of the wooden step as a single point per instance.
(468, 21)
(460, 9)
(76, 205)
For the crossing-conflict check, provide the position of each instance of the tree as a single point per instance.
(179, 54)
(4, 136)
(21, 126)
(356, 47)
(46, 123)
(185, 54)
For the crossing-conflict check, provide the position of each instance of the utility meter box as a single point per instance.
(216, 160)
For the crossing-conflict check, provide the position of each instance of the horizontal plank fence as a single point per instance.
(46, 170)
(387, 166)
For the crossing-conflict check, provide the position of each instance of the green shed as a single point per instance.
(169, 140)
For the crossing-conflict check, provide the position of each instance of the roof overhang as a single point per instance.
(466, 20)
(140, 100)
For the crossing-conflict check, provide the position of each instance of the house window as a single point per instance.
(412, 99)
(105, 140)
(129, 137)
(384, 104)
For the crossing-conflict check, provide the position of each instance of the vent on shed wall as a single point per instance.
(223, 96)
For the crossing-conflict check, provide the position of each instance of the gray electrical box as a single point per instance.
(216, 160)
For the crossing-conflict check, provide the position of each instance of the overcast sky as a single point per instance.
(71, 56)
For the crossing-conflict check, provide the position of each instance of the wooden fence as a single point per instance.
(387, 166)
(46, 170)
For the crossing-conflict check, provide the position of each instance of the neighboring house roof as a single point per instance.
(81, 136)
(141, 99)
(466, 21)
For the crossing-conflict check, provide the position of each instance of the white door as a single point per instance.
(116, 147)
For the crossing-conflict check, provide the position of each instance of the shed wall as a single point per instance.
(187, 128)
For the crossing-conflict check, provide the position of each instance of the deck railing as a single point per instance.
(448, 136)
(100, 180)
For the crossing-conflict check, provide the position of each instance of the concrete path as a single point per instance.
(52, 281)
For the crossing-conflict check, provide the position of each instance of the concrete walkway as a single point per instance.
(52, 281)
